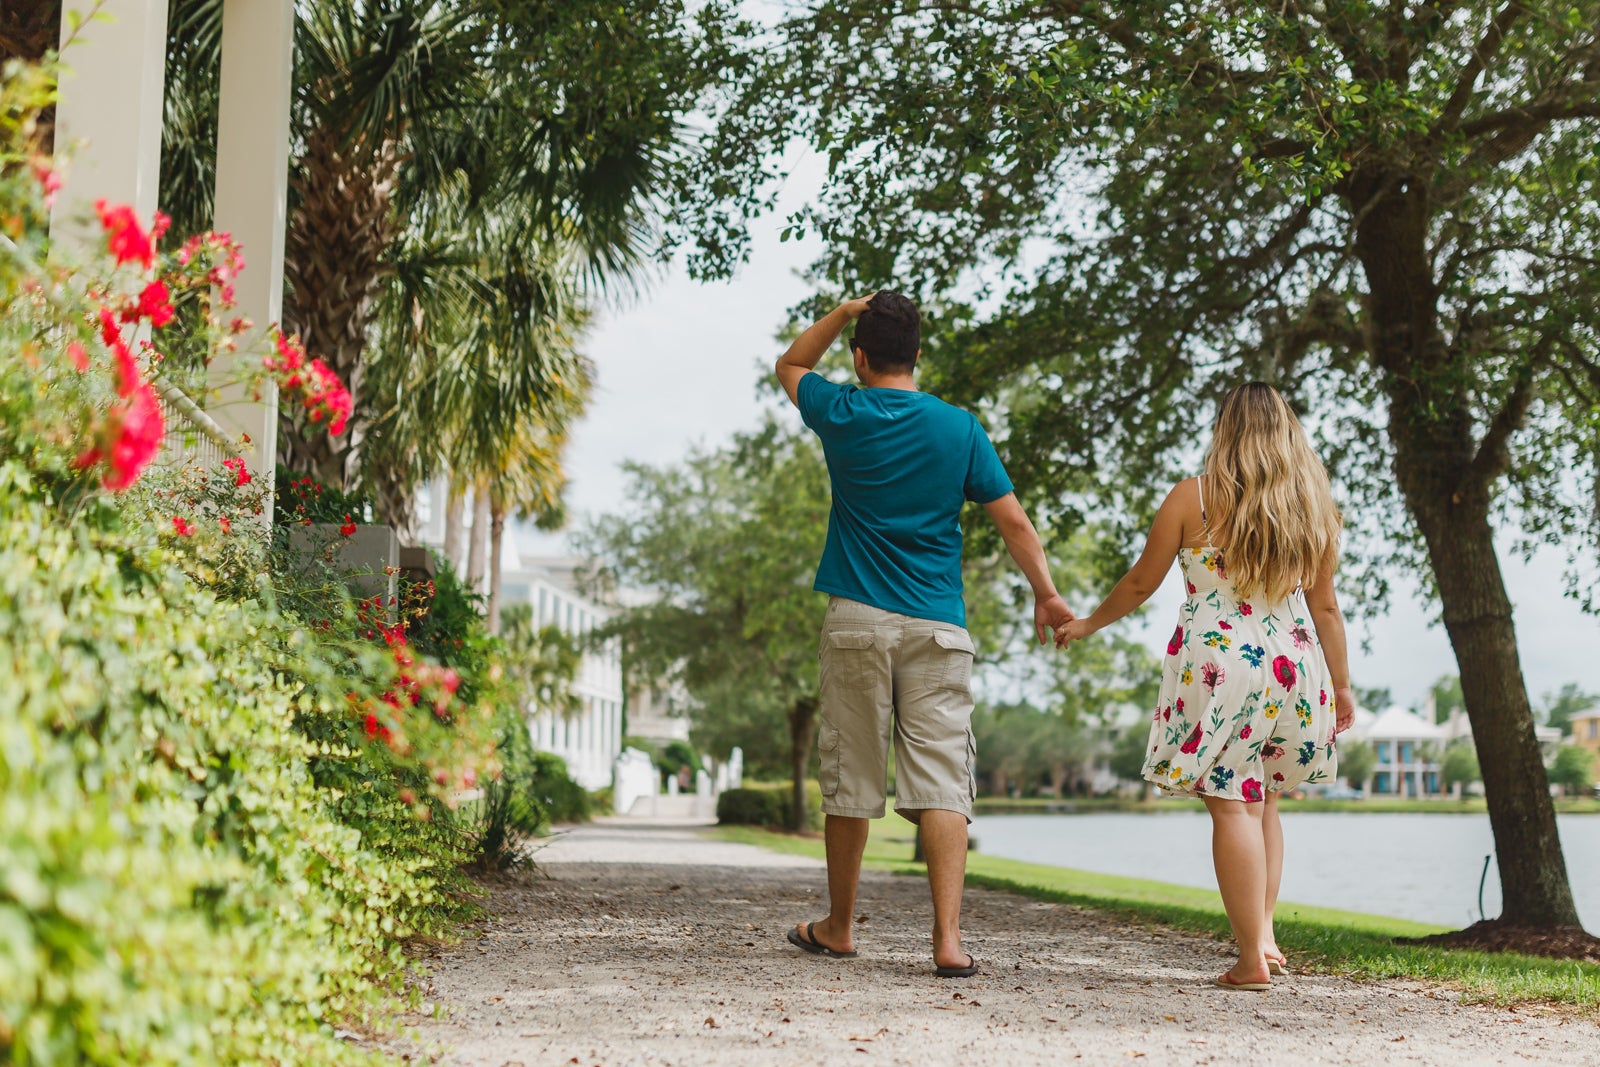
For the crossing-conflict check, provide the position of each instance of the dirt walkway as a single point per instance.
(649, 945)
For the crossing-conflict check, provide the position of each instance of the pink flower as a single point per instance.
(182, 527)
(1176, 642)
(1192, 745)
(128, 440)
(1302, 638)
(1212, 676)
(1283, 670)
(48, 178)
(1251, 788)
(79, 356)
(241, 476)
(125, 238)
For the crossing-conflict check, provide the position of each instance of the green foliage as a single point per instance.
(767, 804)
(1022, 749)
(1129, 752)
(1561, 706)
(1458, 767)
(1357, 759)
(1573, 769)
(301, 499)
(223, 795)
(1447, 698)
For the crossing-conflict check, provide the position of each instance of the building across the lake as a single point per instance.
(1407, 748)
(1586, 730)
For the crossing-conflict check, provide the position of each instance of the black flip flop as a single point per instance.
(958, 972)
(810, 943)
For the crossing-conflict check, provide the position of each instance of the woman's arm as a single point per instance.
(1324, 605)
(1145, 577)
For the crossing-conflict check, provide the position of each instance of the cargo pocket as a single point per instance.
(951, 661)
(972, 766)
(847, 658)
(828, 758)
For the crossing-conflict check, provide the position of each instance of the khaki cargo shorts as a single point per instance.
(886, 675)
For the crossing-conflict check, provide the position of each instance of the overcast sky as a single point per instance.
(679, 366)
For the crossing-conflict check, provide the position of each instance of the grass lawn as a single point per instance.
(1317, 939)
(1389, 805)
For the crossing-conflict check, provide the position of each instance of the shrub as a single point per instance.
(767, 804)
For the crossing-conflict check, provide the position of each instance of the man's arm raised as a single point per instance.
(809, 347)
(1022, 541)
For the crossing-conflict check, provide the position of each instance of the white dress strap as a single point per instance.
(1200, 484)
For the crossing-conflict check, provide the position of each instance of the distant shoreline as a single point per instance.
(1163, 805)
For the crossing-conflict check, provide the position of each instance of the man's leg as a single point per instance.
(944, 843)
(846, 840)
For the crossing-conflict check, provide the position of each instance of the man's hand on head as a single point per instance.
(854, 308)
(808, 348)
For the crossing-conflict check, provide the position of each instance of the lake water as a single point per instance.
(1422, 867)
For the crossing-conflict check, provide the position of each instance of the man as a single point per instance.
(896, 657)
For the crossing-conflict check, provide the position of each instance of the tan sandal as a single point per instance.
(1244, 987)
(1278, 966)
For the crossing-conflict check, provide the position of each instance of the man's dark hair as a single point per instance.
(890, 333)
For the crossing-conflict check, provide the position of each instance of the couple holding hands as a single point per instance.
(1255, 681)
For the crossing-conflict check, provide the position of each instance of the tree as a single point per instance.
(1447, 698)
(724, 547)
(1573, 770)
(1561, 706)
(1128, 755)
(1356, 762)
(1384, 209)
(1460, 765)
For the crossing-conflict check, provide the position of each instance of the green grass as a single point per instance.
(1325, 940)
(1388, 805)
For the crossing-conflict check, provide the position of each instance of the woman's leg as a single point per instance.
(1272, 838)
(1239, 851)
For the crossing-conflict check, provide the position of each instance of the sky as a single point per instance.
(679, 366)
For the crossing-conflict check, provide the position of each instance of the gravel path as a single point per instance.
(646, 944)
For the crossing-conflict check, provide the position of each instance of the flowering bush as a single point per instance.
(221, 782)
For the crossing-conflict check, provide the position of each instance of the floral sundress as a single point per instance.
(1246, 704)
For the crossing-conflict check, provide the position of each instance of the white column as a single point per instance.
(251, 202)
(108, 117)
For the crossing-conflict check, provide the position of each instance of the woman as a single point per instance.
(1252, 691)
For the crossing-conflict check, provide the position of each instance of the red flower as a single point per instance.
(1212, 675)
(1283, 671)
(1176, 642)
(1225, 624)
(1192, 745)
(374, 728)
(128, 375)
(128, 440)
(125, 239)
(1277, 776)
(227, 527)
(349, 527)
(1180, 706)
(79, 356)
(1165, 714)
(1251, 788)
(1246, 609)
(450, 680)
(1244, 735)
(182, 527)
(155, 304)
(1322, 696)
(241, 476)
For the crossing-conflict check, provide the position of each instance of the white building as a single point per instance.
(1408, 749)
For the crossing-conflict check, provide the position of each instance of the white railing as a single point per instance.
(193, 437)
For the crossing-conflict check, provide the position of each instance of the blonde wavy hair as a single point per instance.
(1268, 502)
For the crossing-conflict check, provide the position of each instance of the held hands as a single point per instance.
(1049, 613)
(1344, 709)
(1073, 630)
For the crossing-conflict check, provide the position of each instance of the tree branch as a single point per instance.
(1494, 450)
(1487, 47)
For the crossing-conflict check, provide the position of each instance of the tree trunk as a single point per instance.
(1447, 473)
(455, 521)
(802, 732)
(497, 530)
(333, 265)
(478, 538)
(1477, 617)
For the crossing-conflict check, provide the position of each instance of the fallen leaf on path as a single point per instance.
(710, 1022)
(869, 1037)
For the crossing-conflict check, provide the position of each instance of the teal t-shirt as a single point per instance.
(902, 464)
